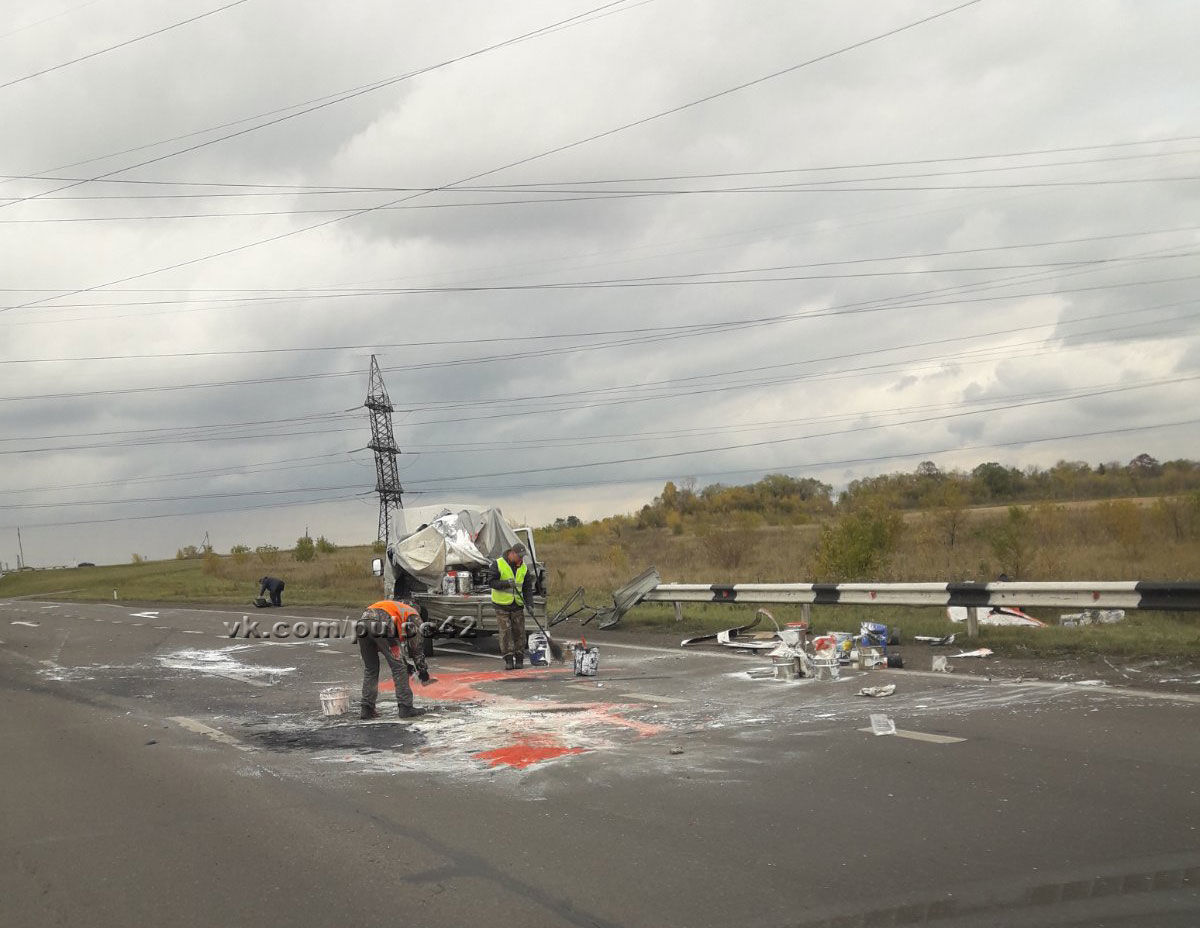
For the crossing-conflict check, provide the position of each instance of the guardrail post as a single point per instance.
(678, 610)
(972, 623)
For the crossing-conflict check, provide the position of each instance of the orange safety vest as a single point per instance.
(400, 613)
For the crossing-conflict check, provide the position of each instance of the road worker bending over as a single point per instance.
(392, 629)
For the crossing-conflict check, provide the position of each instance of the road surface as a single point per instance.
(157, 771)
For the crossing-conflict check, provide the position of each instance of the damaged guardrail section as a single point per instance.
(1125, 594)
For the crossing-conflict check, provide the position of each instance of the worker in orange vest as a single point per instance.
(392, 629)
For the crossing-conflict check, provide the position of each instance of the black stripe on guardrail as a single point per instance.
(968, 594)
(826, 593)
(723, 593)
(1165, 595)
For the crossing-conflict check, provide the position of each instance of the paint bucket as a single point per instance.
(465, 584)
(335, 700)
(538, 646)
(450, 582)
(786, 666)
(587, 660)
(874, 634)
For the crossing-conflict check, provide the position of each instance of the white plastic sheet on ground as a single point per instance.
(995, 615)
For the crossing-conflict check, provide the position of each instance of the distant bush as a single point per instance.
(137, 558)
(1010, 542)
(325, 546)
(859, 544)
(213, 564)
(1121, 520)
(240, 553)
(305, 550)
(268, 554)
(188, 551)
(378, 546)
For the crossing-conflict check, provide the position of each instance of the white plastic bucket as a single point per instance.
(335, 700)
(538, 646)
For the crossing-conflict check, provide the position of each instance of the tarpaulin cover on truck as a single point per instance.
(453, 539)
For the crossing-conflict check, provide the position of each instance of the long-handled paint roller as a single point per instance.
(556, 649)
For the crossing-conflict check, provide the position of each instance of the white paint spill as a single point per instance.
(27, 624)
(220, 662)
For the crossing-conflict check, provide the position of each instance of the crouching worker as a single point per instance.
(274, 586)
(392, 629)
(511, 583)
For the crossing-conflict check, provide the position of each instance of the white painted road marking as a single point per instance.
(209, 732)
(27, 624)
(921, 736)
(239, 678)
(143, 615)
(651, 697)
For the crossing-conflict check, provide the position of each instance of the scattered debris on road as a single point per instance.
(877, 692)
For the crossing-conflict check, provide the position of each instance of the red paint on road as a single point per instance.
(526, 751)
(461, 687)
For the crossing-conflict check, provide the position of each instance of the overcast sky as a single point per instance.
(965, 239)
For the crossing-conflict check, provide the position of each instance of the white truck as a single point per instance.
(442, 567)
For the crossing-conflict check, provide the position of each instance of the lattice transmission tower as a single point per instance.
(383, 443)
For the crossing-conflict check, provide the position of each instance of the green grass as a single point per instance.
(340, 579)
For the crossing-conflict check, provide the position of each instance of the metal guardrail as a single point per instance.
(1125, 594)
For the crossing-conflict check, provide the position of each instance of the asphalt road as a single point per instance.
(156, 771)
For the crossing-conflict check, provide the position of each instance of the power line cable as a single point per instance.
(126, 43)
(809, 465)
(609, 132)
(318, 103)
(193, 514)
(254, 190)
(780, 441)
(74, 9)
(848, 309)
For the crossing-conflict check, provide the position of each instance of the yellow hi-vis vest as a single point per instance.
(504, 597)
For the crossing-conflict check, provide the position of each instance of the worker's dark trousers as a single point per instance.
(277, 596)
(370, 648)
(512, 629)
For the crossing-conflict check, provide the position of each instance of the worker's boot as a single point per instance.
(519, 660)
(410, 712)
(509, 662)
(368, 712)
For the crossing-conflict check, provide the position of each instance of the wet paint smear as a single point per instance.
(526, 751)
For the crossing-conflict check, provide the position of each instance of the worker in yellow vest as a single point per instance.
(512, 585)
